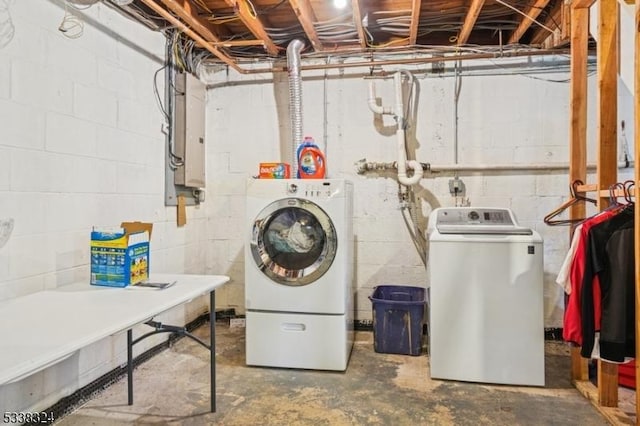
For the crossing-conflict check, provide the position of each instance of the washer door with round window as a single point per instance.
(293, 242)
(295, 257)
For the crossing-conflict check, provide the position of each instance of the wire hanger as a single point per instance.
(576, 197)
(627, 186)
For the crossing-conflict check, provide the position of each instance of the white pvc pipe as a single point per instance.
(372, 101)
(400, 135)
(398, 111)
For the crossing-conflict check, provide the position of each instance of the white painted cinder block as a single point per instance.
(41, 86)
(79, 118)
(5, 79)
(22, 125)
(85, 105)
(70, 135)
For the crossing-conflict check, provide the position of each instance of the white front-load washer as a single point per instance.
(485, 297)
(299, 273)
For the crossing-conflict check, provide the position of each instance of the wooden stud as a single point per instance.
(637, 179)
(607, 383)
(578, 111)
(579, 366)
(607, 56)
(578, 136)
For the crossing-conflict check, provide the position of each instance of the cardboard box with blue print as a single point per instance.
(120, 256)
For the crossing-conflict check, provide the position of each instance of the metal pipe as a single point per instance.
(364, 166)
(504, 167)
(427, 60)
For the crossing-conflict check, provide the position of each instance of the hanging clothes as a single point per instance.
(610, 257)
(572, 330)
(598, 276)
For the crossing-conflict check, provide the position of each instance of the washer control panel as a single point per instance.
(312, 189)
(470, 220)
(475, 216)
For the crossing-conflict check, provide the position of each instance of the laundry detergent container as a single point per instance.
(398, 319)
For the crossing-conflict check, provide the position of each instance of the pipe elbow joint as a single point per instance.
(417, 173)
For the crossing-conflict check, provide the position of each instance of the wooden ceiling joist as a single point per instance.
(357, 20)
(415, 21)
(470, 21)
(532, 12)
(579, 4)
(192, 26)
(307, 17)
(558, 20)
(248, 17)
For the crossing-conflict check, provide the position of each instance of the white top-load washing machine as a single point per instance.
(485, 297)
(299, 279)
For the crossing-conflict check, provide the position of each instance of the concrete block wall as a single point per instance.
(82, 145)
(508, 113)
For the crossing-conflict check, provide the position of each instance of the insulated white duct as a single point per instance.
(398, 112)
(295, 99)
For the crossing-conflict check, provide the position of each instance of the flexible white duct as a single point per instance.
(295, 99)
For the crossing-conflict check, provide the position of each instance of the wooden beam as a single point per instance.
(253, 23)
(637, 179)
(357, 20)
(607, 56)
(415, 21)
(191, 21)
(578, 137)
(532, 13)
(557, 21)
(578, 107)
(470, 21)
(307, 17)
(579, 4)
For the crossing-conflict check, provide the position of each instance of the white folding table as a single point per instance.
(44, 328)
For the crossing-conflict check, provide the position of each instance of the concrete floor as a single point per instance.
(377, 389)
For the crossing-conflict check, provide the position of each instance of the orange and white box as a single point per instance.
(275, 171)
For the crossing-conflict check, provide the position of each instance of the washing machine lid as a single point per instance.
(468, 220)
(293, 241)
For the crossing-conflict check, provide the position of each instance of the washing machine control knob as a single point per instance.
(292, 189)
(473, 215)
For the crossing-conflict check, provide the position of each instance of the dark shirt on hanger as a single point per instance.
(596, 262)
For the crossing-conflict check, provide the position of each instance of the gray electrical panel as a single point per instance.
(189, 131)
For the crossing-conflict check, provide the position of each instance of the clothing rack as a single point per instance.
(606, 394)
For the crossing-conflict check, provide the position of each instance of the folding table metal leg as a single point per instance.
(212, 347)
(130, 366)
